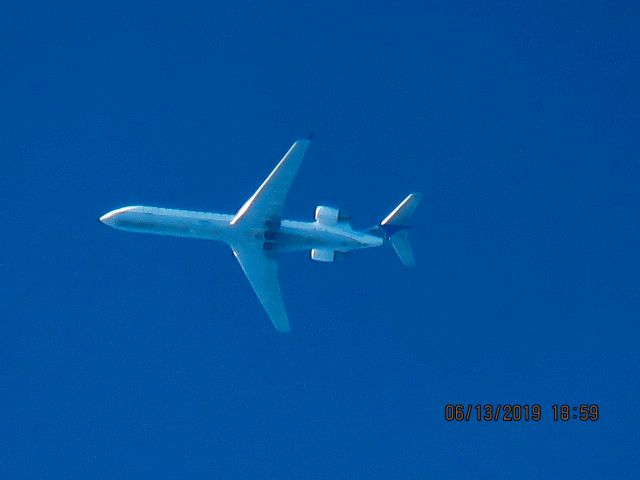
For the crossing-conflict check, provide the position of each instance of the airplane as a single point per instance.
(257, 233)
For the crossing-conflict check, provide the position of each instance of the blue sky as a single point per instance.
(129, 356)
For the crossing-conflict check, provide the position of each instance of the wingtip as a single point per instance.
(415, 197)
(282, 328)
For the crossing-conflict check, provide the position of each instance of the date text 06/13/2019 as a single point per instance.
(520, 412)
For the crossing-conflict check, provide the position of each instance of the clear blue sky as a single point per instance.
(132, 356)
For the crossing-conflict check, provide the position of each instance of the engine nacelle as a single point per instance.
(327, 215)
(322, 255)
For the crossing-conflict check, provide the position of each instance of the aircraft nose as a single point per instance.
(107, 218)
(115, 217)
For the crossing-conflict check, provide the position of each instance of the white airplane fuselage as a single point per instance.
(257, 232)
(289, 235)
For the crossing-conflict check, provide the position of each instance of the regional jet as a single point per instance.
(258, 233)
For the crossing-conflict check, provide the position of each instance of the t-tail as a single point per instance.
(396, 228)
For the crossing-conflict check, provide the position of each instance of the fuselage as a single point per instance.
(258, 231)
(288, 235)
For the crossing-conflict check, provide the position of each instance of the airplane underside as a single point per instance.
(257, 233)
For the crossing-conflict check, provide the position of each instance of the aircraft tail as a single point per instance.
(396, 225)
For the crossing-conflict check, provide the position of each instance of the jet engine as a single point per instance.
(327, 215)
(322, 255)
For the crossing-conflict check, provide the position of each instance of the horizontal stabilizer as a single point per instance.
(401, 215)
(396, 225)
(402, 246)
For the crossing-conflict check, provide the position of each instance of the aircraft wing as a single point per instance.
(267, 204)
(261, 268)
